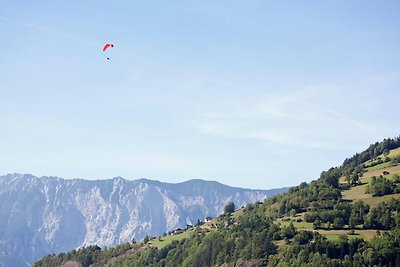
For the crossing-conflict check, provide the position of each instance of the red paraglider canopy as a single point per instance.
(106, 46)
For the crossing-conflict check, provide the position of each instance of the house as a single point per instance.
(208, 219)
(176, 231)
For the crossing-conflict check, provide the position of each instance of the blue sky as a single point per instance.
(256, 94)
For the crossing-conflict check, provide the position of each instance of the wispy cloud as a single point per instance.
(314, 117)
(49, 30)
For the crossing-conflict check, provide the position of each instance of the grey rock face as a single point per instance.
(39, 216)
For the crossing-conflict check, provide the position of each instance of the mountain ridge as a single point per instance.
(40, 213)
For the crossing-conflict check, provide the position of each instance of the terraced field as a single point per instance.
(165, 240)
(335, 234)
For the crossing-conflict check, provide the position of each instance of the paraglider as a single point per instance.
(107, 46)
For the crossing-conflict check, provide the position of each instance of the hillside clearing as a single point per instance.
(380, 166)
(297, 225)
(394, 153)
(206, 227)
(376, 172)
(356, 193)
(374, 201)
(165, 240)
(237, 214)
(334, 234)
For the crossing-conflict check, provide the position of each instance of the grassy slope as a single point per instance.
(378, 169)
(376, 172)
(358, 192)
(165, 240)
(394, 153)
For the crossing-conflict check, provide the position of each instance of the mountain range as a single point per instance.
(44, 215)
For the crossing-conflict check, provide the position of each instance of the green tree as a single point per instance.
(353, 221)
(229, 207)
(289, 231)
(380, 186)
(386, 152)
(338, 223)
(317, 224)
(354, 179)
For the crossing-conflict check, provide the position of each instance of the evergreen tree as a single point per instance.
(229, 208)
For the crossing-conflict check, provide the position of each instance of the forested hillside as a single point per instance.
(348, 217)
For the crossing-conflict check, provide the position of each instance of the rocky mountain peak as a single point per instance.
(46, 215)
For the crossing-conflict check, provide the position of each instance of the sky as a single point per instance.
(253, 94)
